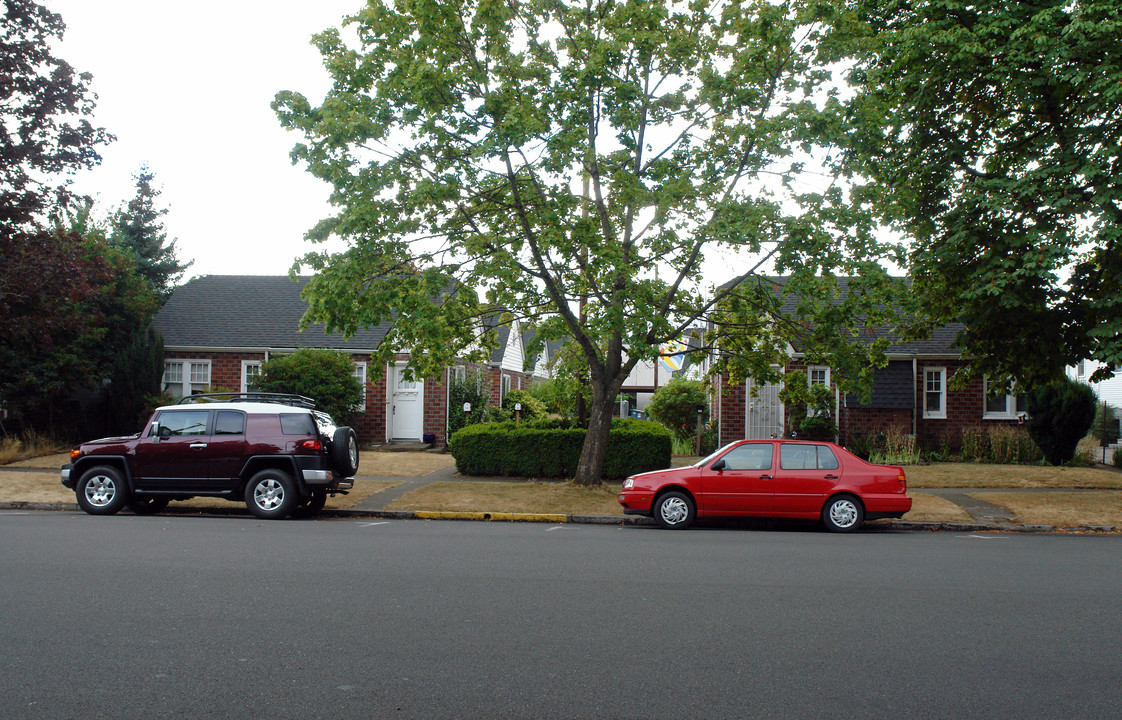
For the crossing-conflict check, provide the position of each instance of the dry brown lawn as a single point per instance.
(1061, 509)
(973, 475)
(372, 463)
(512, 497)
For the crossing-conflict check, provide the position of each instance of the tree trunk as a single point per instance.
(591, 466)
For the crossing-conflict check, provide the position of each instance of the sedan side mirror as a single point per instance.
(719, 465)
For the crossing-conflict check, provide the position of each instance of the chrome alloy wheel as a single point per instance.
(674, 511)
(100, 490)
(352, 450)
(843, 513)
(268, 494)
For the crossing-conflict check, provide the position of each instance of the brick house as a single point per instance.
(913, 392)
(219, 329)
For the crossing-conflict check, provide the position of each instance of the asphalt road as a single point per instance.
(221, 617)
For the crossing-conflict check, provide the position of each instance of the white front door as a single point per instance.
(407, 407)
(764, 413)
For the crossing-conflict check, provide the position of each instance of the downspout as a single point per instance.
(915, 405)
(837, 413)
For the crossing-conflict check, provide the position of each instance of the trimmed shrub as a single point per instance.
(675, 406)
(1060, 414)
(326, 376)
(551, 448)
(532, 408)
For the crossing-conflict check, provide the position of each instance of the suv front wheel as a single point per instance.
(271, 494)
(101, 490)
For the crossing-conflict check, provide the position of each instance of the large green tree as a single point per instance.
(138, 227)
(69, 304)
(577, 162)
(45, 106)
(990, 133)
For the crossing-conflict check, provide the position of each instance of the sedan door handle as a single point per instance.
(765, 477)
(198, 445)
(831, 477)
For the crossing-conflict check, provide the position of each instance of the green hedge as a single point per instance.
(551, 448)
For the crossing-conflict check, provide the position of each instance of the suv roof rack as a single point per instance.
(278, 398)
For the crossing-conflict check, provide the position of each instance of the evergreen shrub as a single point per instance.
(551, 448)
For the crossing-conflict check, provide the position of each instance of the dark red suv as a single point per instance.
(277, 453)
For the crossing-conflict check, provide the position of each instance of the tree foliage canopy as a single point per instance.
(45, 106)
(991, 134)
(459, 138)
(138, 227)
(326, 376)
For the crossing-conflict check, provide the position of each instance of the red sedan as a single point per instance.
(771, 478)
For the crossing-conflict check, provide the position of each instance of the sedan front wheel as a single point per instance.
(674, 510)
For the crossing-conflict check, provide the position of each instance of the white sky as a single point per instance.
(186, 89)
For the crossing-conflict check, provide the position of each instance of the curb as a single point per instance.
(557, 518)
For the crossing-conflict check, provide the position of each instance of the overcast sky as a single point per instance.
(186, 89)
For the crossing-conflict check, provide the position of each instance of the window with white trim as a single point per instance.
(1001, 406)
(457, 373)
(251, 373)
(935, 393)
(505, 387)
(818, 375)
(360, 374)
(186, 377)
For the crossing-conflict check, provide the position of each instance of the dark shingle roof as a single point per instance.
(941, 341)
(249, 311)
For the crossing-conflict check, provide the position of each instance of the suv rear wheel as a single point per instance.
(271, 494)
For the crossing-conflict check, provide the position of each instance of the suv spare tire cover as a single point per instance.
(342, 443)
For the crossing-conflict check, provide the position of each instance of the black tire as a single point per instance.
(311, 505)
(271, 494)
(147, 505)
(843, 513)
(102, 490)
(344, 452)
(675, 510)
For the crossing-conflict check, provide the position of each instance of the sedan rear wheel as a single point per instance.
(674, 510)
(843, 513)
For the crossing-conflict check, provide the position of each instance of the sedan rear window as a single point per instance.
(806, 457)
(297, 424)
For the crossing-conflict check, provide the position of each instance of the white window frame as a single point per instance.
(1009, 413)
(505, 384)
(941, 413)
(246, 365)
(811, 369)
(184, 386)
(360, 373)
(457, 373)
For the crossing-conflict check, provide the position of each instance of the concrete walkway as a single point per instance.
(379, 501)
